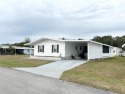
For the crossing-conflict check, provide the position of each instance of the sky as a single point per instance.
(71, 19)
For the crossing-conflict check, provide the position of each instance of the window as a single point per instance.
(55, 48)
(105, 49)
(41, 48)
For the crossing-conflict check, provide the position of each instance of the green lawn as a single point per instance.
(20, 61)
(108, 74)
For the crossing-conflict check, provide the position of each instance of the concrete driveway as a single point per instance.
(19, 82)
(54, 69)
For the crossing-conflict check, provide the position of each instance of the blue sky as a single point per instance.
(60, 18)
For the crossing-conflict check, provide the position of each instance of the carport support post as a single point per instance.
(30, 51)
(15, 51)
(5, 51)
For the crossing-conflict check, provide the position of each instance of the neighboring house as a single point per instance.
(4, 46)
(18, 50)
(23, 50)
(67, 49)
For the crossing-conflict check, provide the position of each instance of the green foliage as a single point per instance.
(1, 50)
(27, 40)
(113, 41)
(20, 44)
(8, 51)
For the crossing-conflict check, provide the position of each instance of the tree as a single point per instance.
(63, 38)
(1, 51)
(104, 39)
(119, 41)
(113, 41)
(19, 44)
(27, 40)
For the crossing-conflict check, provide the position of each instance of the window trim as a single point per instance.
(55, 48)
(40, 48)
(105, 49)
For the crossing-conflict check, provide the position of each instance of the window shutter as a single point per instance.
(52, 48)
(43, 48)
(57, 48)
(38, 48)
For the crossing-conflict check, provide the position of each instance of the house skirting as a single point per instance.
(45, 58)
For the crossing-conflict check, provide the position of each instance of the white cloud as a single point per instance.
(65, 18)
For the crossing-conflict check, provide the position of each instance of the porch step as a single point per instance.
(78, 58)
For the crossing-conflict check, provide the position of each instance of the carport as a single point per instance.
(76, 49)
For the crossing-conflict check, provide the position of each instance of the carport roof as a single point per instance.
(65, 40)
(24, 48)
(123, 46)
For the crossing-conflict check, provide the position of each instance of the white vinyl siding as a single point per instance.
(48, 48)
(94, 51)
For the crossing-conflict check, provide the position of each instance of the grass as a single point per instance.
(108, 74)
(20, 61)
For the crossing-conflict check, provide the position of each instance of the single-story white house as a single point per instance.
(68, 49)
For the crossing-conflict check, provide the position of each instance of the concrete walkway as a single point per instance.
(54, 69)
(19, 82)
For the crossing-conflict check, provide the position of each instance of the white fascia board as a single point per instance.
(72, 40)
(123, 46)
(39, 40)
(100, 43)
